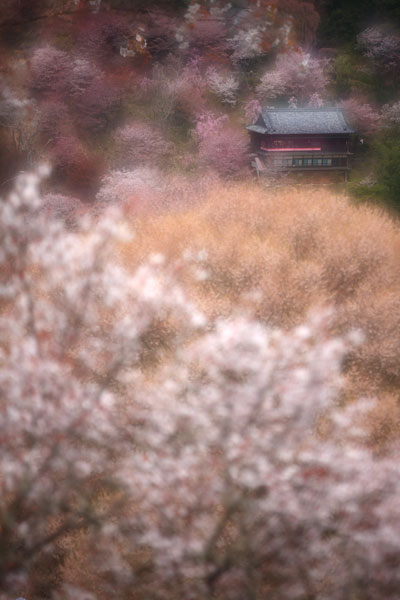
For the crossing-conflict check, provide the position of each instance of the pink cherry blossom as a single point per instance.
(139, 143)
(50, 69)
(221, 147)
(362, 115)
(296, 73)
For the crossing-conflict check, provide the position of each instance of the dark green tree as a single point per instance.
(387, 170)
(343, 20)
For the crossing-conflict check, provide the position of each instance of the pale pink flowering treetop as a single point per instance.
(224, 85)
(221, 147)
(138, 142)
(251, 109)
(296, 74)
(50, 69)
(382, 46)
(391, 113)
(122, 187)
(364, 117)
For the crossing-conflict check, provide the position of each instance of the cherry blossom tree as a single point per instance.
(263, 26)
(203, 30)
(66, 208)
(192, 86)
(223, 85)
(139, 143)
(251, 109)
(296, 73)
(161, 90)
(174, 87)
(246, 30)
(268, 505)
(364, 117)
(50, 69)
(391, 113)
(84, 74)
(221, 147)
(316, 101)
(123, 187)
(97, 105)
(60, 429)
(382, 46)
(233, 470)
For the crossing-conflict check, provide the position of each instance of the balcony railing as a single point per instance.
(290, 159)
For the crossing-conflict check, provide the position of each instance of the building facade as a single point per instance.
(302, 140)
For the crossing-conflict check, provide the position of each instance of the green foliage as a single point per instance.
(350, 76)
(384, 186)
(342, 20)
(388, 168)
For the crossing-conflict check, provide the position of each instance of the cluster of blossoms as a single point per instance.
(94, 96)
(364, 117)
(224, 85)
(297, 74)
(248, 43)
(169, 63)
(122, 187)
(250, 29)
(241, 493)
(203, 27)
(50, 69)
(174, 86)
(251, 110)
(382, 46)
(250, 479)
(74, 94)
(316, 101)
(72, 323)
(221, 147)
(140, 143)
(266, 25)
(391, 113)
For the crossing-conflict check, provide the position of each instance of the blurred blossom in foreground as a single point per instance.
(240, 493)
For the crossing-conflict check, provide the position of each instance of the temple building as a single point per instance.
(300, 141)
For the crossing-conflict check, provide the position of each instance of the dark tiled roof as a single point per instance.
(301, 120)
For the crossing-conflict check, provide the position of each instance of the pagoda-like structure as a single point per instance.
(301, 140)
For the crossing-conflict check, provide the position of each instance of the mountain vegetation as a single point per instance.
(199, 370)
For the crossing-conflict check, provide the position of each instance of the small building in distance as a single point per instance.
(298, 141)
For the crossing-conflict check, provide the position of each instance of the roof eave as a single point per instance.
(256, 129)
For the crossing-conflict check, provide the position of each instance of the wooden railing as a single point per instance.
(292, 160)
